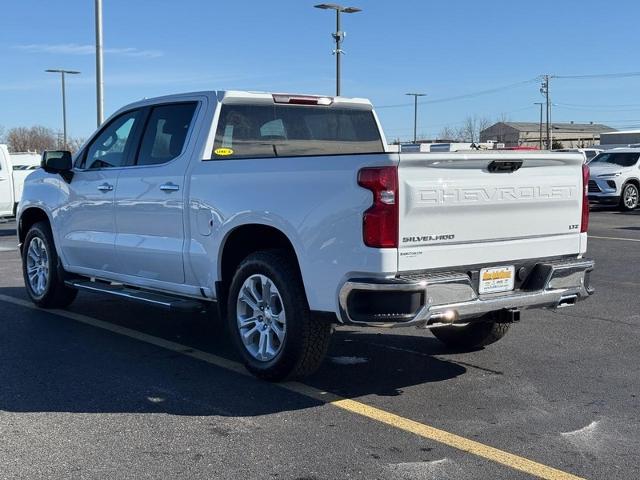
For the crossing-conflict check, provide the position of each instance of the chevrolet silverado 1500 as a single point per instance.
(290, 215)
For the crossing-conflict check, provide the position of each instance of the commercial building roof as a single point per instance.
(563, 127)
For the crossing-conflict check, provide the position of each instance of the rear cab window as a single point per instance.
(281, 130)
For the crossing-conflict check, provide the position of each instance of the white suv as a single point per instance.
(615, 178)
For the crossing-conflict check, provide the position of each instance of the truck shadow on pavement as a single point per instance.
(49, 363)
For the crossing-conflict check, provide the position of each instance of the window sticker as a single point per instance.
(223, 152)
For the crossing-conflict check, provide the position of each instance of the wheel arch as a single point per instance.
(245, 239)
(633, 181)
(29, 217)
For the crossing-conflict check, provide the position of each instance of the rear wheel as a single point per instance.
(474, 335)
(630, 197)
(42, 269)
(270, 321)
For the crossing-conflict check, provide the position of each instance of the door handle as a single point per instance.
(169, 187)
(105, 187)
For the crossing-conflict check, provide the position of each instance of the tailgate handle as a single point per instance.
(504, 166)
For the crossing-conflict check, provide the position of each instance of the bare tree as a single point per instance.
(2, 140)
(36, 138)
(469, 131)
(472, 126)
(74, 144)
(449, 133)
(503, 118)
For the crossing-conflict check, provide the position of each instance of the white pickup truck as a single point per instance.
(288, 213)
(14, 169)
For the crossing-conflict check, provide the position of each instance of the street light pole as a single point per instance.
(339, 35)
(99, 64)
(540, 137)
(415, 114)
(64, 100)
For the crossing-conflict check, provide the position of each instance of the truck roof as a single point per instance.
(241, 95)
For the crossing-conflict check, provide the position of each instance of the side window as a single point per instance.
(165, 133)
(108, 149)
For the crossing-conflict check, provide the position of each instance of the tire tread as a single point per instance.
(313, 342)
(59, 295)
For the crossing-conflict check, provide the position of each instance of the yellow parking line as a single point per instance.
(616, 238)
(382, 416)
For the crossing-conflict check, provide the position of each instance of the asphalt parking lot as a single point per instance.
(111, 389)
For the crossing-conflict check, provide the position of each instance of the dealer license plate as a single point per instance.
(496, 279)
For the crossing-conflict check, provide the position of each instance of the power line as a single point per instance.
(596, 109)
(463, 96)
(598, 75)
(601, 105)
(512, 85)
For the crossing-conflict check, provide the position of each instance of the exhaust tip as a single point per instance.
(448, 316)
(568, 301)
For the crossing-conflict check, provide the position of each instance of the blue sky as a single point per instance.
(444, 49)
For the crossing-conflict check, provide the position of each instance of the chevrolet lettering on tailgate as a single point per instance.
(439, 196)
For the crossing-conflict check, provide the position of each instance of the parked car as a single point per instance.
(288, 213)
(14, 169)
(588, 153)
(615, 178)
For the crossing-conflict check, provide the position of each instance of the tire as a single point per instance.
(40, 259)
(473, 335)
(282, 338)
(630, 197)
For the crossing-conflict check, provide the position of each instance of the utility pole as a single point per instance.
(99, 64)
(64, 100)
(415, 114)
(540, 135)
(339, 35)
(544, 90)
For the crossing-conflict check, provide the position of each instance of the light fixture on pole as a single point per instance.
(415, 113)
(64, 100)
(339, 35)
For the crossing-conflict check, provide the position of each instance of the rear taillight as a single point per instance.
(380, 221)
(584, 223)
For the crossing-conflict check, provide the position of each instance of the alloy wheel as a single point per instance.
(261, 318)
(630, 198)
(37, 266)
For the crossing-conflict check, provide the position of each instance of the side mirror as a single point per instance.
(58, 161)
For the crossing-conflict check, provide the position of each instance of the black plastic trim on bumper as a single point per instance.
(451, 297)
(604, 199)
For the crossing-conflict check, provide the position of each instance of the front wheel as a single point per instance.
(42, 269)
(270, 321)
(474, 335)
(630, 197)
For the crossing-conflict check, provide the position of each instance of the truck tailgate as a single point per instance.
(483, 208)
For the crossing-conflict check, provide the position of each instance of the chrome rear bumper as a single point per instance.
(450, 298)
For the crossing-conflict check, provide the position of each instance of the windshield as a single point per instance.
(626, 159)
